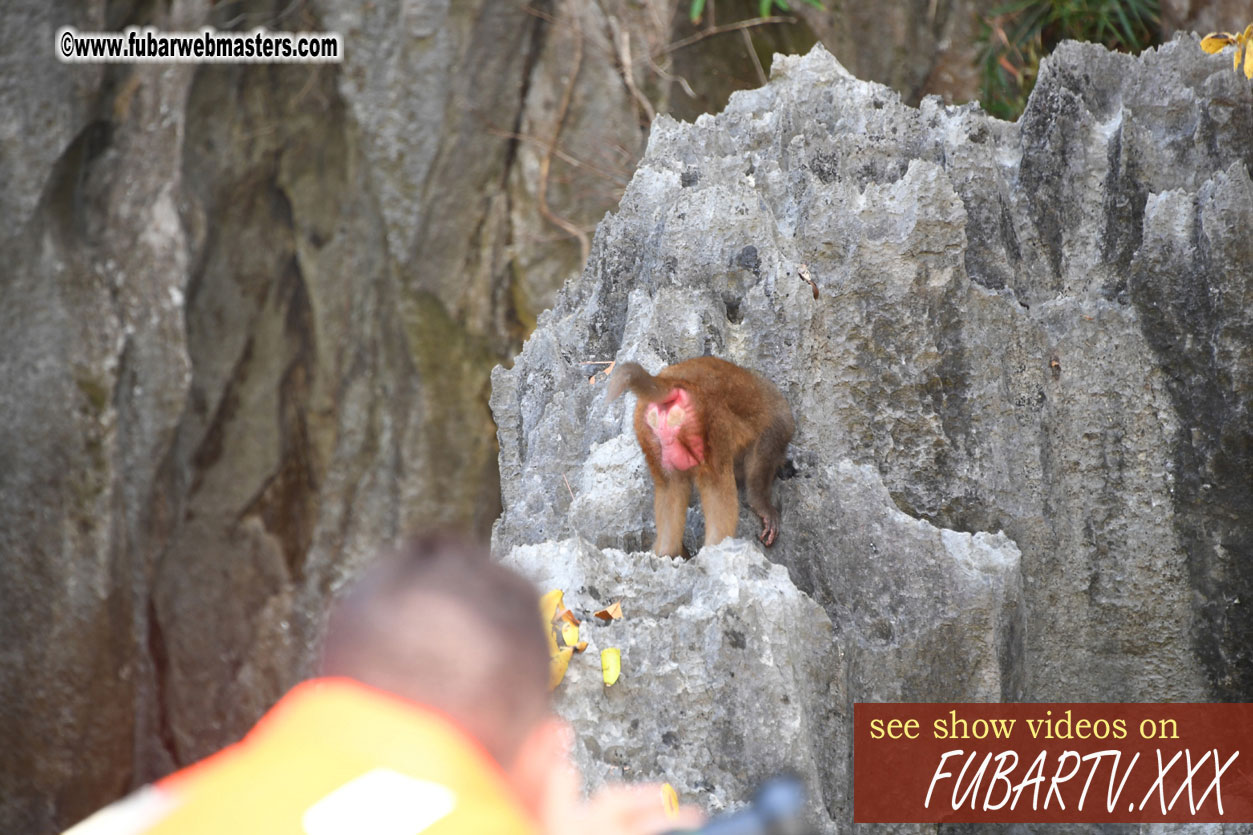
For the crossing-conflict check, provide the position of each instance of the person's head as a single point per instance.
(437, 622)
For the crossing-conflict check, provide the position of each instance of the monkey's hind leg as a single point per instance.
(720, 503)
(670, 499)
(760, 465)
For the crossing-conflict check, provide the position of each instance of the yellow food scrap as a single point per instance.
(1243, 42)
(613, 612)
(1216, 41)
(610, 665)
(549, 603)
(557, 666)
(670, 800)
(559, 658)
(570, 634)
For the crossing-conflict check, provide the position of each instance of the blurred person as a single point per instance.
(431, 716)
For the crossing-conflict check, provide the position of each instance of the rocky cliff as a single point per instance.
(1023, 465)
(247, 317)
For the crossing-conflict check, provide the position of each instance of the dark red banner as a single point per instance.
(1052, 763)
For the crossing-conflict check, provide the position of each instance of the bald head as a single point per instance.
(438, 623)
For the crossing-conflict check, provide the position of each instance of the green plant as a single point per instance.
(1014, 37)
(764, 7)
(1217, 41)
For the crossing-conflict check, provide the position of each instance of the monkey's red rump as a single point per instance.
(706, 422)
(674, 423)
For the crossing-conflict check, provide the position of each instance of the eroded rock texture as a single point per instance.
(715, 687)
(731, 675)
(1041, 329)
(247, 317)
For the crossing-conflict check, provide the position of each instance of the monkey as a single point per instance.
(707, 421)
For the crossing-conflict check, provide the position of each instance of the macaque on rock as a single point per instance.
(708, 421)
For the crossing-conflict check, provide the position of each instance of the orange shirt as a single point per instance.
(335, 757)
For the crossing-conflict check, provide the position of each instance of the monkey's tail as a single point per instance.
(631, 375)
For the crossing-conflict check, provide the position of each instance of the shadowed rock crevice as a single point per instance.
(287, 502)
(1190, 287)
(160, 670)
(249, 435)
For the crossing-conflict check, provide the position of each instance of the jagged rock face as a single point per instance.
(732, 675)
(725, 670)
(226, 376)
(247, 317)
(1038, 328)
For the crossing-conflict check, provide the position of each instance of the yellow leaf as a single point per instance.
(670, 800)
(610, 665)
(549, 603)
(557, 667)
(1248, 59)
(1235, 60)
(570, 634)
(1216, 41)
(553, 649)
(613, 612)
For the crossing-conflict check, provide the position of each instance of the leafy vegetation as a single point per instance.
(1243, 42)
(1017, 35)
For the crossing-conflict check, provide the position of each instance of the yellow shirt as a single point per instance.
(335, 757)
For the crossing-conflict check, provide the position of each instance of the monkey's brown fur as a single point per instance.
(707, 421)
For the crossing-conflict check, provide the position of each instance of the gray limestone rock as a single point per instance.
(214, 405)
(1033, 337)
(727, 672)
(247, 311)
(247, 317)
(732, 675)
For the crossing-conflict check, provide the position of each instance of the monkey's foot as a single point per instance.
(769, 529)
